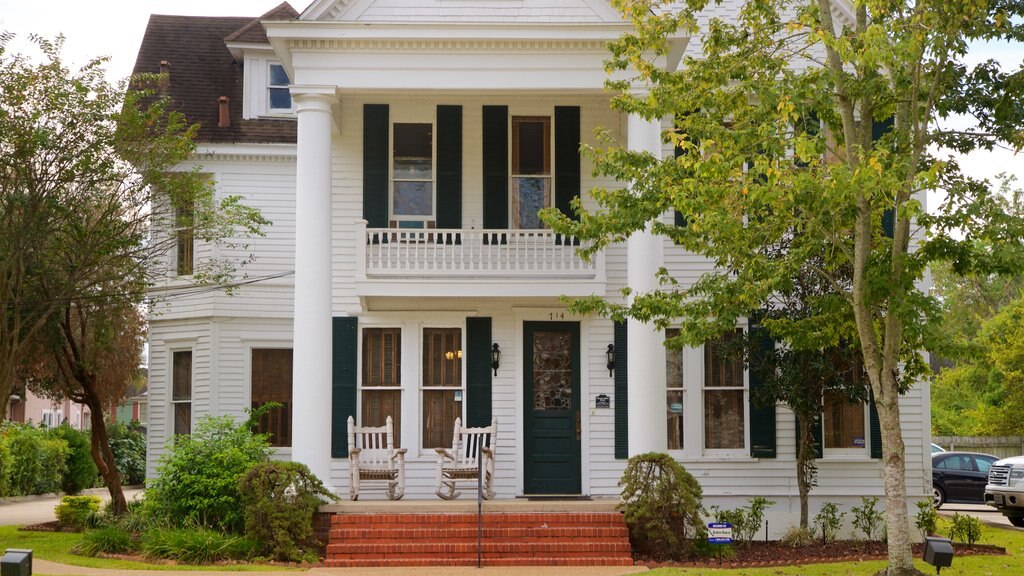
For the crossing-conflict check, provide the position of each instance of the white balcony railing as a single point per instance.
(396, 252)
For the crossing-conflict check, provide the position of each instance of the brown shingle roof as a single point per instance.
(202, 69)
(253, 32)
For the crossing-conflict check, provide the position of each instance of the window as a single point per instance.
(674, 392)
(531, 169)
(272, 382)
(984, 463)
(843, 423)
(183, 222)
(442, 385)
(181, 391)
(382, 378)
(279, 97)
(962, 462)
(724, 394)
(412, 174)
(52, 418)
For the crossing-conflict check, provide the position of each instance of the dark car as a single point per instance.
(960, 477)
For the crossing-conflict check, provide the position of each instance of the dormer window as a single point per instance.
(279, 98)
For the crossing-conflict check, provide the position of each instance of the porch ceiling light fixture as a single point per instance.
(495, 358)
(610, 353)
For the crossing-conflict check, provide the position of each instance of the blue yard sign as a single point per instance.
(719, 533)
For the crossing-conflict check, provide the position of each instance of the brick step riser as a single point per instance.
(447, 534)
(465, 520)
(558, 561)
(566, 548)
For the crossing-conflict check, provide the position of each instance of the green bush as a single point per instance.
(80, 470)
(109, 540)
(927, 519)
(280, 500)
(38, 460)
(866, 517)
(746, 520)
(662, 506)
(197, 479)
(77, 511)
(129, 447)
(966, 528)
(196, 546)
(797, 537)
(829, 520)
(6, 467)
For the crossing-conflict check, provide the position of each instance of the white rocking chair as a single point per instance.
(472, 454)
(372, 457)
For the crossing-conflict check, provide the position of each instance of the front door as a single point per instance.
(551, 386)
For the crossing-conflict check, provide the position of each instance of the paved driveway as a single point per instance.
(39, 509)
(986, 514)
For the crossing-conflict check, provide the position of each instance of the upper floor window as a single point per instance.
(412, 174)
(279, 97)
(183, 222)
(531, 169)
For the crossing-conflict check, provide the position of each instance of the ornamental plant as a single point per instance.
(662, 506)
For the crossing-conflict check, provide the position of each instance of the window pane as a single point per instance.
(442, 357)
(414, 198)
(183, 418)
(272, 382)
(674, 405)
(529, 196)
(378, 405)
(552, 370)
(723, 367)
(280, 99)
(440, 409)
(382, 360)
(181, 379)
(278, 77)
(843, 422)
(413, 141)
(531, 146)
(673, 362)
(183, 218)
(723, 419)
(413, 169)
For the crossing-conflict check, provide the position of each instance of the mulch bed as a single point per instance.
(762, 554)
(52, 526)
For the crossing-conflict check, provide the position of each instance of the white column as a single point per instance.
(648, 428)
(311, 375)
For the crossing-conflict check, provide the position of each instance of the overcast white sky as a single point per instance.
(114, 28)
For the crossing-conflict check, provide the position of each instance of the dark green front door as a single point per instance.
(551, 384)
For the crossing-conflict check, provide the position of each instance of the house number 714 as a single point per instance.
(556, 316)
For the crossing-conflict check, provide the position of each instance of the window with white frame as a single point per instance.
(530, 189)
(181, 391)
(724, 395)
(412, 174)
(674, 392)
(381, 383)
(51, 418)
(271, 381)
(844, 424)
(185, 240)
(279, 96)
(442, 385)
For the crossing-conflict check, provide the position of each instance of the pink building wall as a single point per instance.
(37, 409)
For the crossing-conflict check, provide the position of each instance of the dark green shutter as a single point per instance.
(495, 166)
(567, 157)
(621, 391)
(816, 435)
(344, 349)
(880, 128)
(375, 165)
(762, 418)
(478, 372)
(679, 217)
(449, 166)
(889, 222)
(875, 428)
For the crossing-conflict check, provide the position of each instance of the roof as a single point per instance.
(201, 71)
(253, 32)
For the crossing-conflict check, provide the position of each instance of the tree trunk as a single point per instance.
(103, 456)
(804, 468)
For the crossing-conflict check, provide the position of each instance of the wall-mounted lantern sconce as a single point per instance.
(610, 353)
(495, 358)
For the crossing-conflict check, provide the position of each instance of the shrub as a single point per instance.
(129, 447)
(6, 467)
(662, 505)
(746, 520)
(109, 540)
(866, 517)
(966, 528)
(37, 459)
(77, 511)
(797, 537)
(196, 546)
(927, 519)
(829, 520)
(80, 470)
(280, 499)
(197, 479)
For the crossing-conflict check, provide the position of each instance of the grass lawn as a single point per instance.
(1013, 563)
(55, 547)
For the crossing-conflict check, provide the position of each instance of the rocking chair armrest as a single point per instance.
(399, 454)
(487, 451)
(353, 453)
(443, 454)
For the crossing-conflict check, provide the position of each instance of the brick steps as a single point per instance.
(507, 539)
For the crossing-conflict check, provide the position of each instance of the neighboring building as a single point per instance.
(28, 407)
(402, 150)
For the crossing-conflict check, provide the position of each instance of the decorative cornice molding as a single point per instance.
(450, 45)
(212, 155)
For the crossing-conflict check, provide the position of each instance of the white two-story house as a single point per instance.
(402, 149)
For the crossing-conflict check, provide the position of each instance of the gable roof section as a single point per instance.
(202, 70)
(253, 32)
(476, 11)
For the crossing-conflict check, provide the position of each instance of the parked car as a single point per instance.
(1005, 489)
(936, 448)
(960, 477)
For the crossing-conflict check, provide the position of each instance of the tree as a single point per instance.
(795, 125)
(90, 199)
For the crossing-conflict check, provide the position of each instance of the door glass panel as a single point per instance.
(552, 370)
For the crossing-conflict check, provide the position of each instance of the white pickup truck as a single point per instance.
(1005, 488)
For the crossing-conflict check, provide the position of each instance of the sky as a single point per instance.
(114, 28)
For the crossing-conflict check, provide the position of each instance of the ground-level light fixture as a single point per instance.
(938, 552)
